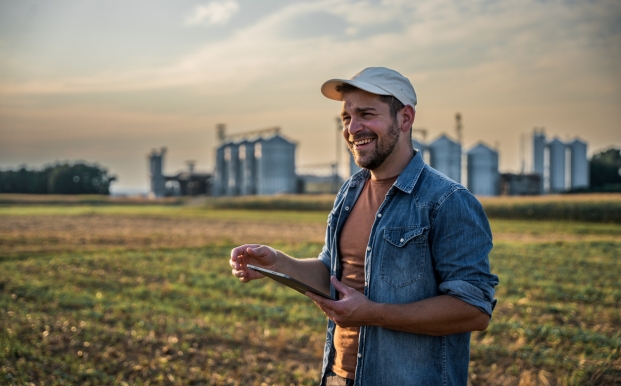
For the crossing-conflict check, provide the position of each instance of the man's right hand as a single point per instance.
(255, 254)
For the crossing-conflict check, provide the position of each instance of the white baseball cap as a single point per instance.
(376, 80)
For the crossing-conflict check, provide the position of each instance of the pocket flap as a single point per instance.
(401, 236)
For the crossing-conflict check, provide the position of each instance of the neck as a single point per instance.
(395, 163)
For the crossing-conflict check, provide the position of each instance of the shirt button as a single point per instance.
(366, 283)
(359, 355)
(347, 208)
(402, 240)
(368, 248)
(379, 215)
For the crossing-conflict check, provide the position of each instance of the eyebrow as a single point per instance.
(360, 110)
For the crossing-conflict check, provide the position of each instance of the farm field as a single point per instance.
(142, 294)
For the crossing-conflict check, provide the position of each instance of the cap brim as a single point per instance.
(328, 89)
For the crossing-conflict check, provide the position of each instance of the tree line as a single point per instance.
(60, 178)
(605, 170)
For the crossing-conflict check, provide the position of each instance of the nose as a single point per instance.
(354, 126)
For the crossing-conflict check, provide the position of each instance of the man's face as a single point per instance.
(368, 128)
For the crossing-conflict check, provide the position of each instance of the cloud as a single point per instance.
(535, 42)
(213, 13)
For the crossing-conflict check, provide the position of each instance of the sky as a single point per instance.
(107, 81)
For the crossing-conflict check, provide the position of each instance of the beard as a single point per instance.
(383, 148)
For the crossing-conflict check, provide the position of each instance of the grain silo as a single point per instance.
(483, 175)
(420, 146)
(579, 164)
(221, 179)
(539, 144)
(557, 165)
(445, 157)
(231, 153)
(156, 166)
(275, 162)
(247, 167)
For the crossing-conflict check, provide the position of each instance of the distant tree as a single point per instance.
(77, 178)
(605, 168)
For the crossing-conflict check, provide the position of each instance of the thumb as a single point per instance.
(342, 288)
(262, 250)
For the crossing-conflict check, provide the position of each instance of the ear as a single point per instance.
(407, 118)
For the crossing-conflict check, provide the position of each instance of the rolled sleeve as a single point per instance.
(478, 294)
(461, 240)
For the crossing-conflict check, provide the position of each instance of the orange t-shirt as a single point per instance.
(352, 249)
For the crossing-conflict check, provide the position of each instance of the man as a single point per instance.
(406, 251)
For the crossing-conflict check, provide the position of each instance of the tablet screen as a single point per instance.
(289, 281)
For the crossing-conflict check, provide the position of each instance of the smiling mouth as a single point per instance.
(362, 142)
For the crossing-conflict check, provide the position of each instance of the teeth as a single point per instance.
(362, 142)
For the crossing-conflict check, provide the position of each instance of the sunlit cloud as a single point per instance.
(213, 13)
(509, 37)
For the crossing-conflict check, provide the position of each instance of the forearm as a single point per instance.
(310, 271)
(440, 315)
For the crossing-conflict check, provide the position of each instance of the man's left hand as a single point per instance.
(353, 310)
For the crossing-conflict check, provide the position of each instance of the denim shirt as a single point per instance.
(430, 237)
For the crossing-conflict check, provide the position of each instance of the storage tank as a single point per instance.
(445, 157)
(420, 146)
(247, 167)
(231, 154)
(275, 162)
(557, 165)
(539, 143)
(156, 167)
(221, 173)
(483, 175)
(579, 164)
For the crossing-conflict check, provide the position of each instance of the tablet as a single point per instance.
(289, 281)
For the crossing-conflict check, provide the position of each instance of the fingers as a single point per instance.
(260, 250)
(340, 287)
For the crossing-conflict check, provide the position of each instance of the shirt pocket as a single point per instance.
(403, 257)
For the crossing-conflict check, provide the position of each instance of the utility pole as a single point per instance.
(339, 130)
(458, 127)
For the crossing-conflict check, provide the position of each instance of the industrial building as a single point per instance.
(512, 184)
(262, 162)
(483, 175)
(257, 162)
(185, 183)
(561, 166)
(445, 157)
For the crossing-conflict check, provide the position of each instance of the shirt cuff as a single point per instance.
(477, 294)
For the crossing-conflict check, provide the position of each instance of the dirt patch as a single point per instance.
(19, 234)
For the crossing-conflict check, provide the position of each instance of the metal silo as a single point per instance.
(445, 157)
(247, 167)
(420, 146)
(231, 154)
(557, 165)
(539, 143)
(275, 161)
(156, 166)
(579, 164)
(483, 175)
(221, 172)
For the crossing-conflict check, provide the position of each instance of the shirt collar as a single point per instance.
(407, 179)
(409, 176)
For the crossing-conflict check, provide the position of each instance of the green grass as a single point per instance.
(177, 316)
(96, 318)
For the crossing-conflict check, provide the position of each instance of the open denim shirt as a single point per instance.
(430, 237)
